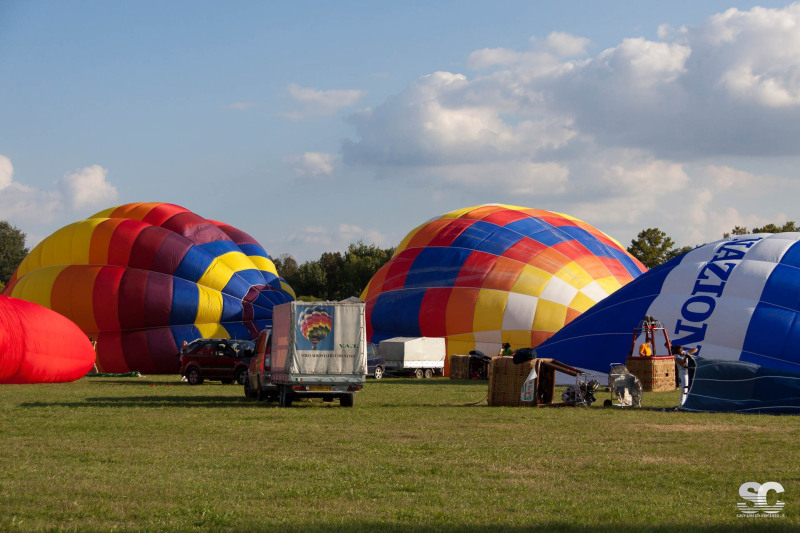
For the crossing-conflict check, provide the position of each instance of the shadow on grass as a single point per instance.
(152, 401)
(550, 526)
(422, 381)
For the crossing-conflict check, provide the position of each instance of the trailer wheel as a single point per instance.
(285, 398)
(419, 373)
(346, 400)
(428, 373)
(378, 372)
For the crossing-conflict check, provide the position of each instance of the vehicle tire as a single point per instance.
(249, 392)
(285, 398)
(260, 395)
(378, 372)
(346, 400)
(193, 377)
(428, 373)
(419, 373)
(241, 376)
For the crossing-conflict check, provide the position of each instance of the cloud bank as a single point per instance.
(619, 138)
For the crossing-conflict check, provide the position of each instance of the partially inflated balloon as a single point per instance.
(736, 299)
(486, 275)
(142, 278)
(38, 345)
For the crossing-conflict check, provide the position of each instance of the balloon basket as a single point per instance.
(657, 374)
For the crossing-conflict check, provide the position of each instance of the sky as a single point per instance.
(311, 125)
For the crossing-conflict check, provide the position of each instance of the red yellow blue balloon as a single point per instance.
(143, 278)
(486, 275)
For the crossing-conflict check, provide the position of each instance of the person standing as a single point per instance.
(507, 351)
(682, 365)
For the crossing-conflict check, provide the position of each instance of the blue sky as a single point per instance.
(310, 125)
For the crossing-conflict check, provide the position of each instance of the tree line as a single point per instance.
(337, 275)
(653, 247)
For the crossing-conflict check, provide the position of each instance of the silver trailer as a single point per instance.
(420, 356)
(319, 350)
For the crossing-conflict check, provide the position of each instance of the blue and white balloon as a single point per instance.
(736, 299)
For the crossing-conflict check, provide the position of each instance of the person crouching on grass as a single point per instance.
(682, 362)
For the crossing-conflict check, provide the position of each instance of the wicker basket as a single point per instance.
(506, 380)
(459, 366)
(657, 374)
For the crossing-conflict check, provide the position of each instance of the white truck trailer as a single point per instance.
(319, 350)
(420, 356)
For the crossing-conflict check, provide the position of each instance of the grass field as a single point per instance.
(155, 454)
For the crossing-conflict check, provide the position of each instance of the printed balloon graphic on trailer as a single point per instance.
(316, 323)
(486, 275)
(143, 278)
(736, 299)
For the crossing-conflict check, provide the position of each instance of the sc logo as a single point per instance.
(756, 493)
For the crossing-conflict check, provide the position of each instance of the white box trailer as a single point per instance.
(319, 349)
(421, 356)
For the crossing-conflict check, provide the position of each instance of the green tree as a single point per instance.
(285, 265)
(653, 247)
(361, 262)
(309, 281)
(769, 228)
(12, 250)
(332, 263)
(772, 228)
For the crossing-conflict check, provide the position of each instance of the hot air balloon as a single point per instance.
(735, 299)
(38, 345)
(143, 278)
(486, 275)
(316, 323)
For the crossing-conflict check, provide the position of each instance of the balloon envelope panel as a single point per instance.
(143, 278)
(485, 275)
(38, 345)
(736, 299)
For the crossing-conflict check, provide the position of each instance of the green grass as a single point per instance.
(154, 454)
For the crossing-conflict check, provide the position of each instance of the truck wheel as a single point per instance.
(285, 398)
(260, 395)
(346, 400)
(378, 372)
(193, 377)
(419, 373)
(241, 376)
(249, 392)
(428, 373)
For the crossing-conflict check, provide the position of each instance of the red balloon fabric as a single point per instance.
(38, 345)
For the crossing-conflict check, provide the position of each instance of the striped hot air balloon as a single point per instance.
(143, 278)
(486, 275)
(736, 299)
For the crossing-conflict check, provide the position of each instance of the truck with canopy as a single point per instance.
(319, 350)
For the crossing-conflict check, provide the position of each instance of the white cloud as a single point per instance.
(312, 164)
(19, 202)
(87, 187)
(6, 172)
(315, 102)
(565, 44)
(337, 237)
